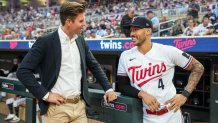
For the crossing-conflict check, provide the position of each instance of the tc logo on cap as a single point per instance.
(134, 19)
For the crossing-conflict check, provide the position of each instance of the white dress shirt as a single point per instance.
(69, 79)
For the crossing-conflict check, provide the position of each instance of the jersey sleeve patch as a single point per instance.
(186, 55)
(189, 62)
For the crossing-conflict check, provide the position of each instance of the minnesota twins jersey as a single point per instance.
(154, 71)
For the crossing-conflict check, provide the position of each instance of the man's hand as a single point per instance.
(110, 96)
(55, 98)
(176, 102)
(149, 100)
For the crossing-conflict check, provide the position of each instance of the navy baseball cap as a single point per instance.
(142, 22)
(93, 31)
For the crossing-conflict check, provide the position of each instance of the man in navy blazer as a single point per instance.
(63, 58)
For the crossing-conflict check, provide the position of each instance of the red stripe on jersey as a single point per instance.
(146, 81)
(190, 61)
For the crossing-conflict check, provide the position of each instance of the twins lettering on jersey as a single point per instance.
(144, 75)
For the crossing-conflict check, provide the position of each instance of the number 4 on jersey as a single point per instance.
(160, 84)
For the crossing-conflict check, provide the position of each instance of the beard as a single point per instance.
(141, 42)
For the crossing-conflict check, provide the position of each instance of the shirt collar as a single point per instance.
(63, 36)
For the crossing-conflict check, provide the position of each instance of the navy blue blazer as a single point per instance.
(45, 55)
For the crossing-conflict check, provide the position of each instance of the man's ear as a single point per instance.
(148, 31)
(68, 21)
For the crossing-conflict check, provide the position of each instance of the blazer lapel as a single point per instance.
(57, 52)
(81, 51)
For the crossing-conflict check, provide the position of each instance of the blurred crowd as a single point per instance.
(111, 20)
(28, 23)
(192, 25)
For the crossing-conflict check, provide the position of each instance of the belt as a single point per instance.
(73, 100)
(160, 112)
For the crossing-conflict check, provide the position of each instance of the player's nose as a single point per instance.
(131, 34)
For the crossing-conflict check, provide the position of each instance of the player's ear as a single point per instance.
(148, 31)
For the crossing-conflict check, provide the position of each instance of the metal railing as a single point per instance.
(124, 109)
(171, 13)
(15, 87)
(170, 24)
(178, 13)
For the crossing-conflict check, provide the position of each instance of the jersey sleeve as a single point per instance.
(179, 57)
(121, 71)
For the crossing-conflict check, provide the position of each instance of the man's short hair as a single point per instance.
(205, 17)
(149, 12)
(79, 1)
(131, 9)
(70, 10)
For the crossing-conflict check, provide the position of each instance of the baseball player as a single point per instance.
(146, 72)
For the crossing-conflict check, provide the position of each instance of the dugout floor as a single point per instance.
(2, 119)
